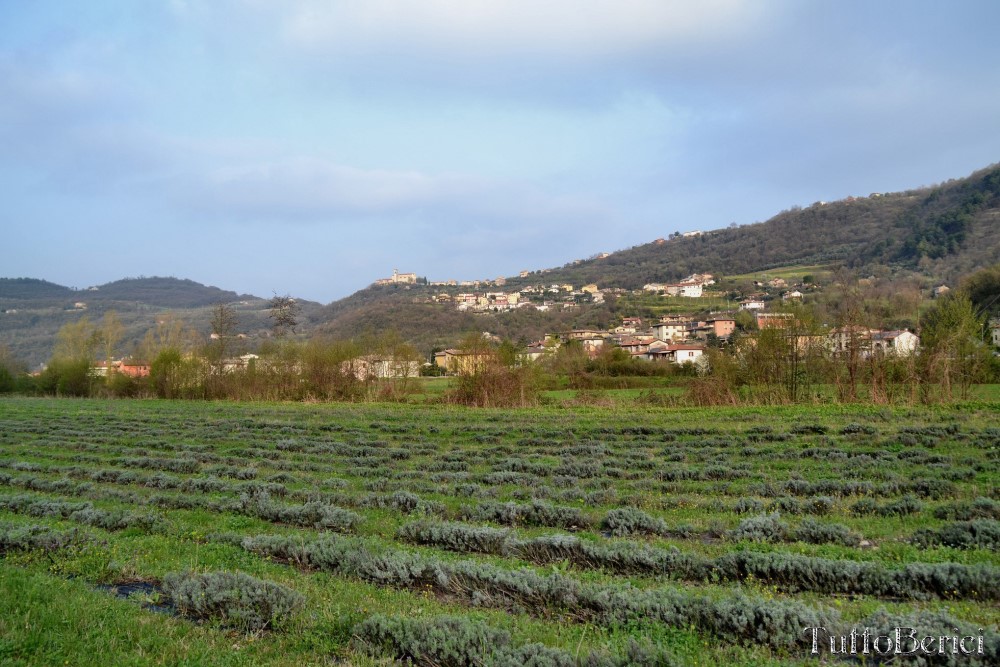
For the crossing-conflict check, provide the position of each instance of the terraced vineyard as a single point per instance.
(367, 534)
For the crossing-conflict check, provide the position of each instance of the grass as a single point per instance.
(794, 272)
(682, 465)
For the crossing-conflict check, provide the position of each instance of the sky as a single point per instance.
(309, 147)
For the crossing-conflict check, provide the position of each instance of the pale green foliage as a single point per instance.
(237, 600)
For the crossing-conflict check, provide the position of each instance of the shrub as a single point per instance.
(404, 502)
(447, 641)
(818, 532)
(906, 505)
(537, 513)
(762, 528)
(786, 505)
(864, 507)
(819, 505)
(977, 534)
(773, 622)
(748, 506)
(114, 519)
(980, 508)
(235, 599)
(458, 537)
(934, 624)
(631, 521)
(14, 537)
(313, 513)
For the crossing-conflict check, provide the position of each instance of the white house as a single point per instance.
(691, 290)
(670, 330)
(676, 353)
(898, 343)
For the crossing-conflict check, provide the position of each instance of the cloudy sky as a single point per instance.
(310, 146)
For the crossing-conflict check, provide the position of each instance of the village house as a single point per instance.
(676, 353)
(773, 320)
(894, 343)
(720, 327)
(752, 304)
(793, 295)
(372, 367)
(240, 363)
(636, 346)
(845, 340)
(629, 325)
(670, 330)
(690, 290)
(129, 367)
(864, 342)
(703, 279)
(460, 361)
(534, 352)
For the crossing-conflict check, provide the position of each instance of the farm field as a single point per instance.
(616, 535)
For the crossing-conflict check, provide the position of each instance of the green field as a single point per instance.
(603, 534)
(789, 273)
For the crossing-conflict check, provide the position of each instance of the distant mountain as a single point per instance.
(31, 289)
(32, 311)
(161, 292)
(164, 292)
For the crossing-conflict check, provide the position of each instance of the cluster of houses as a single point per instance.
(690, 287)
(684, 339)
(559, 295)
(398, 278)
(542, 298)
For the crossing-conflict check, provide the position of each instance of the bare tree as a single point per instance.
(284, 315)
(224, 340)
(109, 334)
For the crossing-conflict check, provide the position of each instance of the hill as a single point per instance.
(940, 233)
(32, 311)
(943, 232)
(164, 292)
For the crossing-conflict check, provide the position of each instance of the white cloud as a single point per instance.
(498, 28)
(315, 189)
